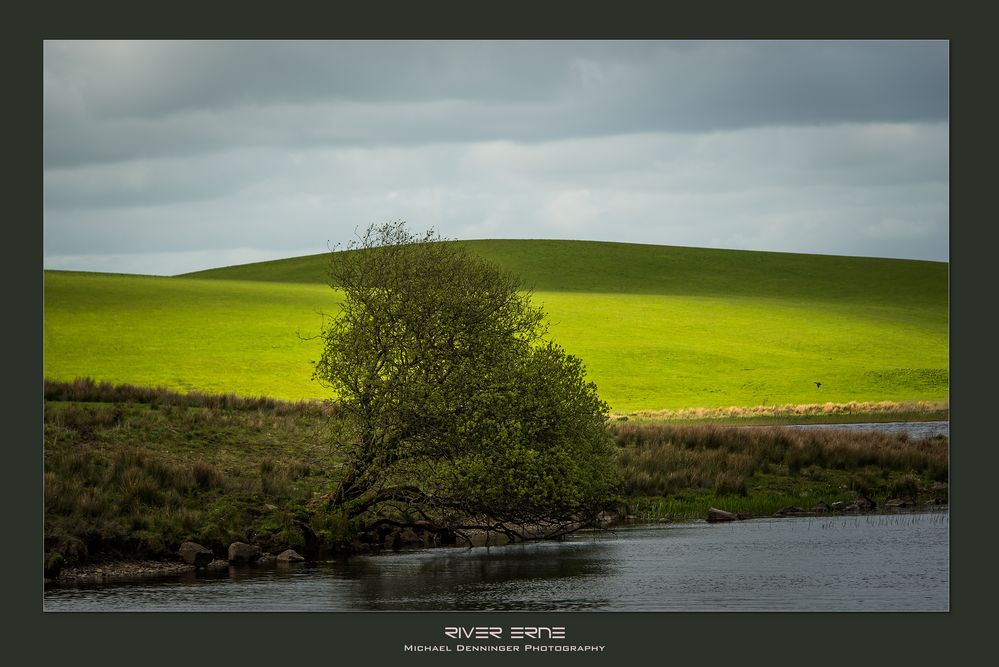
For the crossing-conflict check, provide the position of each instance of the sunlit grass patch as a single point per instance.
(657, 326)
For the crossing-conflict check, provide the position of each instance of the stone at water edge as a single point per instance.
(408, 537)
(193, 553)
(865, 503)
(289, 556)
(715, 514)
(607, 518)
(240, 552)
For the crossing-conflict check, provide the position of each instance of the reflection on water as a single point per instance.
(494, 578)
(874, 562)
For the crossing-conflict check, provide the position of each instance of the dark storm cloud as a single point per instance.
(124, 100)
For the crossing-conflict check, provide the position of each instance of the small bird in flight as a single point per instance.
(818, 384)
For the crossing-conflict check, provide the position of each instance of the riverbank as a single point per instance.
(680, 471)
(131, 473)
(793, 564)
(121, 569)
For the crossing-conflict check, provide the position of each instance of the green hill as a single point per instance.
(657, 326)
(630, 268)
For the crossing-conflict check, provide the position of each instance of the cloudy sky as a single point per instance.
(166, 157)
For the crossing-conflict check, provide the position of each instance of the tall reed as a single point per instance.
(662, 458)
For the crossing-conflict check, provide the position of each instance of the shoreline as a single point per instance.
(132, 480)
(118, 571)
(756, 417)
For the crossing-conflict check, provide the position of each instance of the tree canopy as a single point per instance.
(457, 410)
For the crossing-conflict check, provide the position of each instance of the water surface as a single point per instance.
(914, 429)
(890, 562)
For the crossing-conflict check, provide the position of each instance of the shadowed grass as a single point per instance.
(631, 268)
(137, 479)
(87, 390)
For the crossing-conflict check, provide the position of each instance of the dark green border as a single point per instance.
(323, 639)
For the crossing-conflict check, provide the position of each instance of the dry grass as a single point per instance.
(804, 410)
(662, 459)
(86, 390)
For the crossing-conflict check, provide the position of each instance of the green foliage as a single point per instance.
(455, 405)
(541, 453)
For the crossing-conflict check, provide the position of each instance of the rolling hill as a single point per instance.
(657, 326)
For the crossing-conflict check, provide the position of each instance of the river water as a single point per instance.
(914, 429)
(884, 562)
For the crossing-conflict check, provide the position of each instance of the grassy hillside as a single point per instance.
(214, 336)
(629, 268)
(657, 326)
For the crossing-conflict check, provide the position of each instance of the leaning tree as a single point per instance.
(456, 410)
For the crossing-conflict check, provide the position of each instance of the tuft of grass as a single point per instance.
(206, 475)
(907, 485)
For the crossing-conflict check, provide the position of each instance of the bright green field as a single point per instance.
(657, 326)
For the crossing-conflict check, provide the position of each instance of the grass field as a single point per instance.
(657, 326)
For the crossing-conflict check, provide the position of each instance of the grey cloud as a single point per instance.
(165, 263)
(759, 188)
(114, 101)
(188, 155)
(117, 79)
(863, 156)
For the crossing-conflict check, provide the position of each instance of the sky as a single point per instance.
(163, 157)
